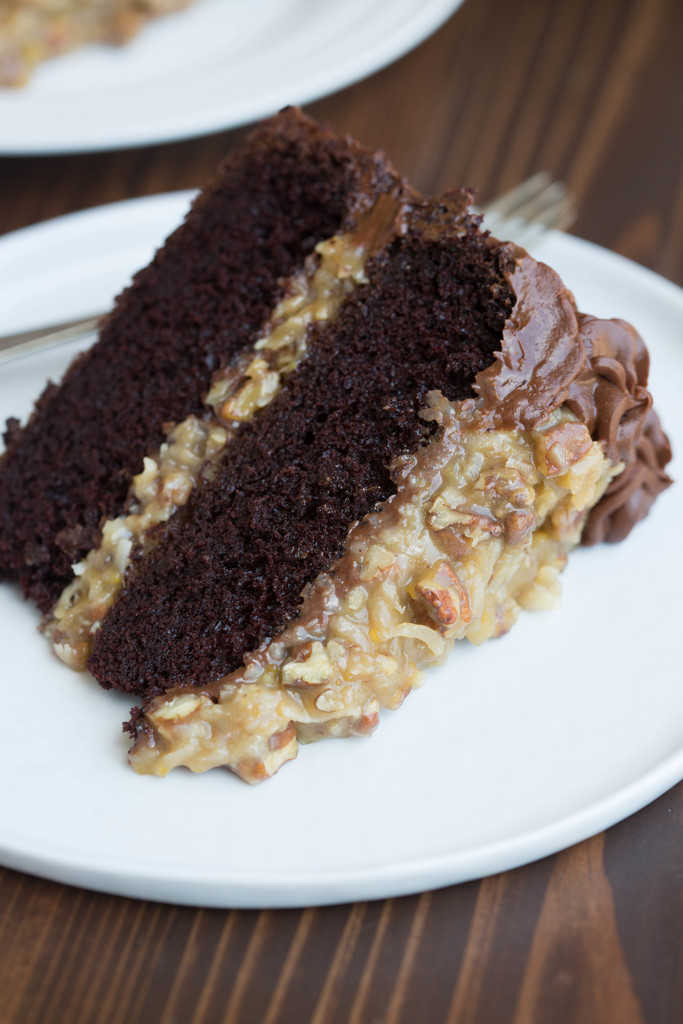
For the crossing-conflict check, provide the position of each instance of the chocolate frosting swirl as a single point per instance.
(630, 495)
(542, 349)
(610, 393)
(551, 355)
(611, 397)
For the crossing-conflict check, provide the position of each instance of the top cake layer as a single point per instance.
(205, 295)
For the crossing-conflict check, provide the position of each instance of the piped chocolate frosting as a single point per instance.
(630, 495)
(551, 355)
(611, 397)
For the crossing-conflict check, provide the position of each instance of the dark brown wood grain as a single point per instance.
(593, 92)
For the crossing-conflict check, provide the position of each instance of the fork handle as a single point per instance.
(20, 344)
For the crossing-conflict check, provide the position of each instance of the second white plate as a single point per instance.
(509, 752)
(217, 64)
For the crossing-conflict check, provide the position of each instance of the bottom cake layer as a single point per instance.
(480, 526)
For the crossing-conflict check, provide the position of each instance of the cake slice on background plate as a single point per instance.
(31, 31)
(402, 455)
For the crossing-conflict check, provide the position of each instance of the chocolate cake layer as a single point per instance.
(228, 571)
(204, 296)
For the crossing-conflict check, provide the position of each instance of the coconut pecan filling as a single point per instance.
(479, 527)
(237, 393)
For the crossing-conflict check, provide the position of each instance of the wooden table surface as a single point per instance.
(592, 91)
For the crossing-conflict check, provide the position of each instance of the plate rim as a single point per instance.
(244, 891)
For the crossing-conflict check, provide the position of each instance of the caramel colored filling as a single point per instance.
(479, 527)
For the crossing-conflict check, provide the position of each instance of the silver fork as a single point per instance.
(527, 212)
(522, 215)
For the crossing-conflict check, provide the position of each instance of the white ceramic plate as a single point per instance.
(509, 752)
(217, 64)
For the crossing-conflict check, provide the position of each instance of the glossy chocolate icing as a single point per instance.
(630, 495)
(611, 397)
(551, 355)
(542, 350)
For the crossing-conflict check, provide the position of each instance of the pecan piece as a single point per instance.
(444, 595)
(366, 724)
(518, 526)
(309, 667)
(561, 447)
(475, 523)
(178, 708)
(280, 739)
(251, 770)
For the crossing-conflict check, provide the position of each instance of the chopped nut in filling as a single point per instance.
(479, 527)
(237, 392)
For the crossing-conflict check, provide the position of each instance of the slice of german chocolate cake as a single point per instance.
(331, 429)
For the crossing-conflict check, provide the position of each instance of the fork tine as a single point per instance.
(526, 212)
(535, 208)
(506, 204)
(528, 232)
